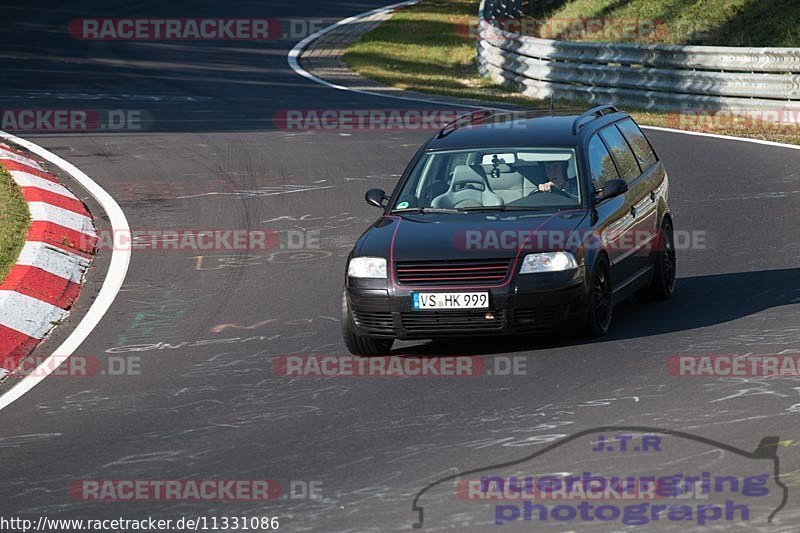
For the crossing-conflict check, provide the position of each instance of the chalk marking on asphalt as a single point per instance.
(38, 95)
(259, 193)
(117, 270)
(221, 327)
(297, 51)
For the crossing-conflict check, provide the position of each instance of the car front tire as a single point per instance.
(663, 285)
(360, 344)
(601, 304)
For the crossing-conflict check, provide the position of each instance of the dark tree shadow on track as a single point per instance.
(699, 302)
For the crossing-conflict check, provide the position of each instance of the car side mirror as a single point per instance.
(611, 188)
(376, 197)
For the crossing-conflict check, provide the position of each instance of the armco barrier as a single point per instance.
(642, 75)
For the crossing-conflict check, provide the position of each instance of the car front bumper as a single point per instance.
(529, 303)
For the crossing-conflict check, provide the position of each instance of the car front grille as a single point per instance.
(539, 318)
(444, 273)
(374, 322)
(453, 322)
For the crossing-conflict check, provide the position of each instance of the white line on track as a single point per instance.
(117, 270)
(724, 137)
(297, 51)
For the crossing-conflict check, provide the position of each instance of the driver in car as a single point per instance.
(556, 176)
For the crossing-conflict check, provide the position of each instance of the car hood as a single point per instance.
(425, 237)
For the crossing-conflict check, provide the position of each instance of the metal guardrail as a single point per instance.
(644, 75)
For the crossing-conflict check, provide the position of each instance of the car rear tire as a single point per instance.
(601, 304)
(360, 344)
(663, 285)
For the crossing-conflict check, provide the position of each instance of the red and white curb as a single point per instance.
(112, 283)
(46, 279)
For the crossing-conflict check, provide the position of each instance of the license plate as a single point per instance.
(423, 301)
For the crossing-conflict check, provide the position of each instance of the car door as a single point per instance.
(652, 181)
(613, 214)
(634, 242)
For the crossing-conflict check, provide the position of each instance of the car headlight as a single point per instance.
(548, 262)
(367, 267)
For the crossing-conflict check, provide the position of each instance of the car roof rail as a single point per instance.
(593, 113)
(464, 120)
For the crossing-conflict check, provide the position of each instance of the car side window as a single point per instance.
(601, 166)
(636, 139)
(623, 155)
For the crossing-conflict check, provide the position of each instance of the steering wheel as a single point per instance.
(554, 189)
(563, 192)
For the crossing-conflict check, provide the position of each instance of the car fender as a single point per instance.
(662, 199)
(590, 256)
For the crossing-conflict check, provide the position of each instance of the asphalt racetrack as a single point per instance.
(357, 450)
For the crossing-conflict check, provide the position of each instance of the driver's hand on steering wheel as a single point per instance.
(546, 187)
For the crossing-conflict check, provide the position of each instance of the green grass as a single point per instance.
(704, 22)
(421, 49)
(425, 48)
(14, 219)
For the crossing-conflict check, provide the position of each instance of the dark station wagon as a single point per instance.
(513, 224)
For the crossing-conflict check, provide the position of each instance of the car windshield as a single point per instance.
(492, 179)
